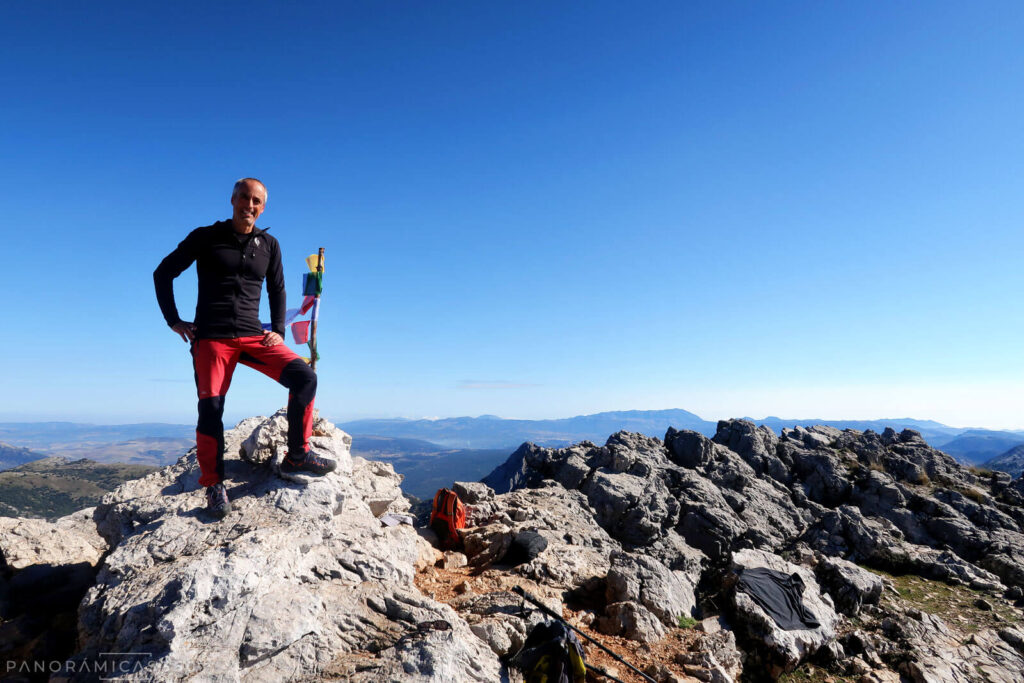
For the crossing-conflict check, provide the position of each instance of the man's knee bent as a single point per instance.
(211, 413)
(299, 378)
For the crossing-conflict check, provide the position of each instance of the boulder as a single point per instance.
(379, 486)
(473, 492)
(487, 544)
(577, 547)
(787, 648)
(665, 593)
(713, 657)
(69, 540)
(849, 585)
(268, 440)
(688, 448)
(631, 620)
(633, 509)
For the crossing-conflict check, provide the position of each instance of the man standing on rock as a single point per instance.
(232, 258)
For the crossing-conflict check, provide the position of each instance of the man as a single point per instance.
(232, 259)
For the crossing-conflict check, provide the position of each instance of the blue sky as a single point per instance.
(529, 209)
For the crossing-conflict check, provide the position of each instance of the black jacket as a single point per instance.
(231, 270)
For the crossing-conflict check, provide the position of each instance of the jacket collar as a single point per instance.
(228, 227)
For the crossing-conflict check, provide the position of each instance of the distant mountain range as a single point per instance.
(43, 434)
(432, 453)
(489, 432)
(145, 443)
(980, 445)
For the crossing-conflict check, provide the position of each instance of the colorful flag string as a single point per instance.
(312, 288)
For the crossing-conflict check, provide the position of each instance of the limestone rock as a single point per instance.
(632, 621)
(300, 580)
(379, 485)
(454, 560)
(688, 448)
(665, 593)
(788, 648)
(473, 493)
(757, 446)
(937, 654)
(68, 540)
(714, 658)
(578, 548)
(487, 544)
(267, 440)
(849, 585)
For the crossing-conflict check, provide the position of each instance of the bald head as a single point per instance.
(242, 182)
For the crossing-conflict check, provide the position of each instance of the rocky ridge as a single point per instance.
(816, 499)
(630, 541)
(1012, 461)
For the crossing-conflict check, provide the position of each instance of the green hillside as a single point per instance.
(54, 487)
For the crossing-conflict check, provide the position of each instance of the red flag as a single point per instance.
(300, 332)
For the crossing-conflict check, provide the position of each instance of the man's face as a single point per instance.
(248, 202)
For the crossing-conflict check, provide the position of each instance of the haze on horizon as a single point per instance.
(530, 210)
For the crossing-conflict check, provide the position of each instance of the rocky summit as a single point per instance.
(900, 563)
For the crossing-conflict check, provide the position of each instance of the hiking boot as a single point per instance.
(217, 503)
(312, 464)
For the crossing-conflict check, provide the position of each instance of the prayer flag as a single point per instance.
(300, 332)
(312, 284)
(311, 262)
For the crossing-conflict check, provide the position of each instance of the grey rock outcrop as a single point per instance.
(935, 653)
(838, 499)
(635, 538)
(301, 580)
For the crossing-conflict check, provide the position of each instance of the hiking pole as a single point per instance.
(601, 672)
(316, 307)
(547, 610)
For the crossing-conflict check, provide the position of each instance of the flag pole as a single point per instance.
(316, 306)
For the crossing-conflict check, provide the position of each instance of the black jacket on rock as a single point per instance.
(231, 270)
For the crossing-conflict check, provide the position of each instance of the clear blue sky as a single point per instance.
(530, 209)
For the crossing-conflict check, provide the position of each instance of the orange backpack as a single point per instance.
(447, 516)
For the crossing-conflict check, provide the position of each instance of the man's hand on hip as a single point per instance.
(271, 339)
(186, 330)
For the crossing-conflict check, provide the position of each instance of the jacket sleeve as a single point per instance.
(275, 289)
(171, 267)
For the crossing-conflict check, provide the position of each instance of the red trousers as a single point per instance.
(214, 361)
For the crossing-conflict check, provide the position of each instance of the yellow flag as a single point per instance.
(311, 262)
